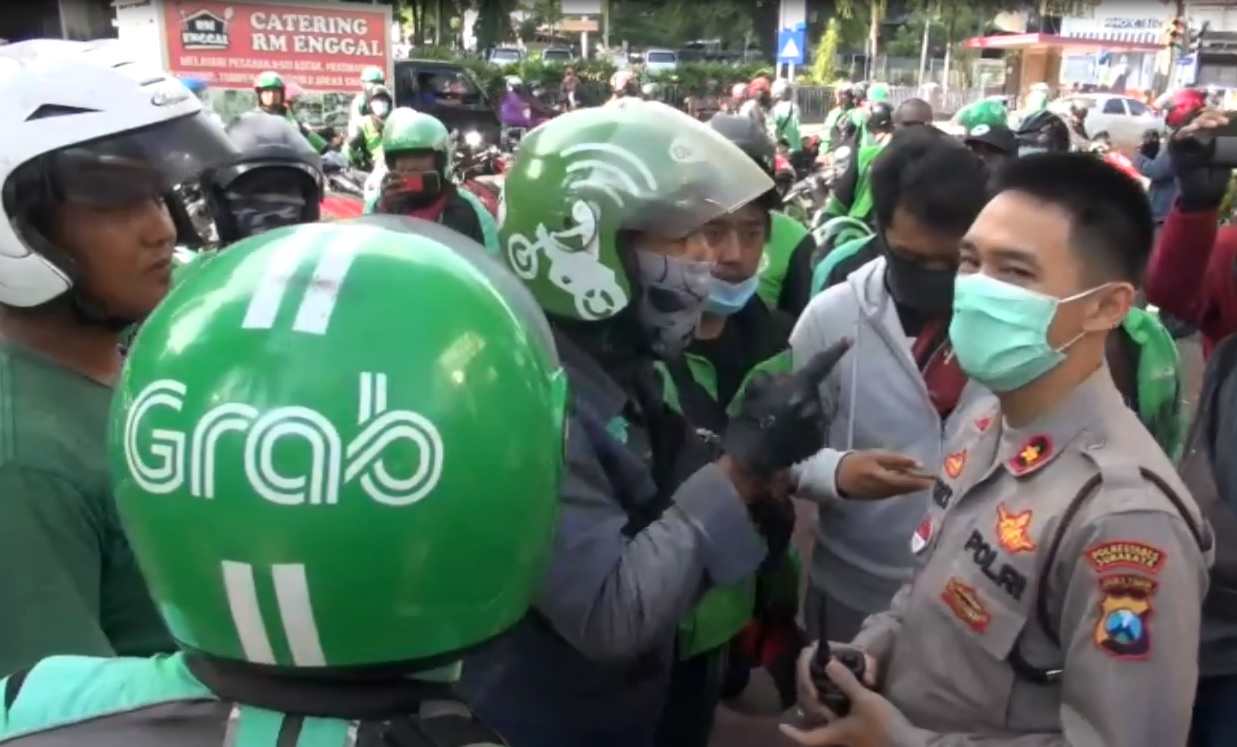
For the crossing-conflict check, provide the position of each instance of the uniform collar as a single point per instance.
(1027, 449)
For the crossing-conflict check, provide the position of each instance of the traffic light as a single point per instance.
(1174, 34)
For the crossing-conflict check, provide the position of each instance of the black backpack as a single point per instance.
(1209, 470)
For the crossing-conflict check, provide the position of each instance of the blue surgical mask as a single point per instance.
(726, 298)
(999, 331)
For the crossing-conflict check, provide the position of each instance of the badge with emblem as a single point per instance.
(1013, 530)
(1124, 626)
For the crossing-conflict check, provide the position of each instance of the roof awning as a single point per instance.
(1070, 43)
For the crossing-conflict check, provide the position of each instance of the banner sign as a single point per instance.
(320, 47)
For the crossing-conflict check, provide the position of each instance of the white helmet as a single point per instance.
(513, 82)
(781, 88)
(86, 123)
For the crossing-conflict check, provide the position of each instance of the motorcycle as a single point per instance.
(469, 165)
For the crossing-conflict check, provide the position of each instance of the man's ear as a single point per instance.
(1112, 305)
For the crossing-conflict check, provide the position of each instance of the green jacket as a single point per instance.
(785, 235)
(489, 229)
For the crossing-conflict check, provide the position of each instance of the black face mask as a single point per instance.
(929, 291)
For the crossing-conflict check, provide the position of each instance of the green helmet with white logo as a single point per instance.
(373, 74)
(302, 488)
(268, 81)
(990, 112)
(408, 130)
(585, 178)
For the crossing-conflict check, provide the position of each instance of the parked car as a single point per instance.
(505, 56)
(448, 91)
(558, 55)
(661, 60)
(1124, 118)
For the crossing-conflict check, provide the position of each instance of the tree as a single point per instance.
(825, 56)
(493, 24)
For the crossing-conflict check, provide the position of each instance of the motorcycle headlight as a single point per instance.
(472, 139)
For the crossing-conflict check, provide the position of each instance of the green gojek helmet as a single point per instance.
(301, 490)
(585, 176)
(878, 92)
(373, 75)
(270, 80)
(410, 131)
(988, 112)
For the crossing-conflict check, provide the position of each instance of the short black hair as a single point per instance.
(930, 175)
(1111, 227)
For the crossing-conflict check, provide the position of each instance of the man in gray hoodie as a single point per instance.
(897, 393)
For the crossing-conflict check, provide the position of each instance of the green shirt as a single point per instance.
(70, 583)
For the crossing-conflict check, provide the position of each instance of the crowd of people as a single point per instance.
(530, 478)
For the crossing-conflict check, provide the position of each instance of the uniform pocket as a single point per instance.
(985, 626)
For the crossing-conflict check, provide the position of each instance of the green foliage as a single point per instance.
(825, 57)
(670, 23)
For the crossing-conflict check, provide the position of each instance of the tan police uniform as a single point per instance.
(1109, 657)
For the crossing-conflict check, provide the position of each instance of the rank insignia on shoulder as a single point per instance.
(965, 603)
(1013, 530)
(1124, 554)
(1033, 452)
(955, 463)
(1123, 629)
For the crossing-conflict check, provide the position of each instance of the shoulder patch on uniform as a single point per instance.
(955, 463)
(1034, 451)
(1013, 529)
(1123, 629)
(964, 601)
(1135, 556)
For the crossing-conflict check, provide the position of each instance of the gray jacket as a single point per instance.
(863, 548)
(590, 665)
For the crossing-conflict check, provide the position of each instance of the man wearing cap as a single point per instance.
(994, 143)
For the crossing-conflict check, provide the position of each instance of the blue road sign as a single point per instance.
(792, 46)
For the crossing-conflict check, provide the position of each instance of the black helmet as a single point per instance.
(1043, 131)
(745, 133)
(880, 117)
(275, 180)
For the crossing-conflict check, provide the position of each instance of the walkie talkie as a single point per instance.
(831, 696)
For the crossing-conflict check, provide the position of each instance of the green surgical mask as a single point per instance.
(999, 331)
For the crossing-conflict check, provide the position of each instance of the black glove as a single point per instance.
(780, 420)
(1203, 184)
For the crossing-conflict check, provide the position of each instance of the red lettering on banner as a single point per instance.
(319, 47)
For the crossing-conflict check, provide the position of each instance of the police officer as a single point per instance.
(1063, 565)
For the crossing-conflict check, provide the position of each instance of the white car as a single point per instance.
(661, 60)
(506, 56)
(1124, 118)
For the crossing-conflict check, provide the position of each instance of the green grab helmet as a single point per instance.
(408, 130)
(878, 92)
(989, 112)
(373, 74)
(268, 80)
(302, 489)
(583, 177)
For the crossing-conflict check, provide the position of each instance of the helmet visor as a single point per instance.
(140, 164)
(654, 168)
